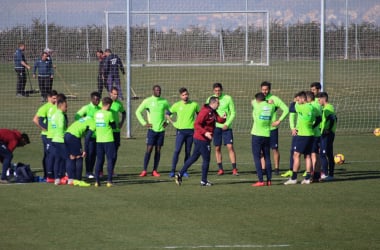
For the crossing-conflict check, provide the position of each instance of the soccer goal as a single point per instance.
(194, 38)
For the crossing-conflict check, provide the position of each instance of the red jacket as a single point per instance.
(10, 138)
(205, 122)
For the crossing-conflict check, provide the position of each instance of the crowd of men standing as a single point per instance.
(312, 122)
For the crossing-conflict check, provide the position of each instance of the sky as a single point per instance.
(91, 12)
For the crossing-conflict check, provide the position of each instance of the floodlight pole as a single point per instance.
(128, 70)
(46, 26)
(346, 34)
(322, 46)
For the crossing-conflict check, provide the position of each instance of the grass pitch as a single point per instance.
(155, 213)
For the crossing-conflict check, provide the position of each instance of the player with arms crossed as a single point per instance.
(186, 111)
(279, 104)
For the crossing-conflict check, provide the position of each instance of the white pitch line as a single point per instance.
(227, 246)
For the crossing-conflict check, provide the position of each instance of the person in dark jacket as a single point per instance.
(45, 74)
(112, 66)
(20, 66)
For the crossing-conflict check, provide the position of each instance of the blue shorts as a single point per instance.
(316, 144)
(155, 138)
(274, 138)
(73, 145)
(304, 144)
(220, 134)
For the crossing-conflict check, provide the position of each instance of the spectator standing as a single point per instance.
(113, 64)
(102, 80)
(20, 66)
(45, 74)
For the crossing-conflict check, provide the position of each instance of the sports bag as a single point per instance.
(23, 173)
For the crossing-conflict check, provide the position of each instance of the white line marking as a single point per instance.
(226, 246)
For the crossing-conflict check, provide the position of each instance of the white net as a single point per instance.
(231, 42)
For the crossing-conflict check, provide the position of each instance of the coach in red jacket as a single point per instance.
(204, 127)
(9, 140)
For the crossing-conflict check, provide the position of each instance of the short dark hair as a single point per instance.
(106, 101)
(25, 137)
(52, 93)
(217, 85)
(213, 99)
(182, 90)
(310, 95)
(156, 86)
(323, 95)
(95, 94)
(259, 96)
(317, 85)
(61, 97)
(108, 50)
(301, 94)
(99, 51)
(267, 84)
(114, 88)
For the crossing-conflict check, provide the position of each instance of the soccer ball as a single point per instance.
(376, 132)
(339, 159)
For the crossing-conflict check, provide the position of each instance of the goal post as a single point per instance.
(254, 49)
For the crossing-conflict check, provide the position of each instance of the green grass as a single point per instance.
(148, 213)
(352, 86)
(155, 213)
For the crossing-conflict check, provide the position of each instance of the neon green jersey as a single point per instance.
(104, 132)
(328, 116)
(318, 113)
(58, 125)
(155, 108)
(226, 106)
(50, 113)
(278, 103)
(42, 112)
(79, 127)
(262, 113)
(116, 108)
(87, 110)
(306, 115)
(186, 114)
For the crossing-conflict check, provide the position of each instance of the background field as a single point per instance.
(154, 213)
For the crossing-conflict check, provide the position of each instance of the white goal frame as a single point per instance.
(148, 13)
